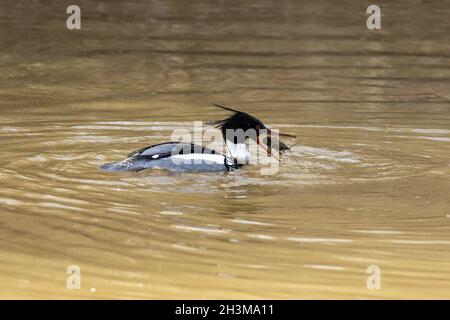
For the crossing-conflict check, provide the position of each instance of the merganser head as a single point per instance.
(238, 125)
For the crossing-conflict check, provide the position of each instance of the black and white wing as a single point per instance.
(168, 149)
(164, 155)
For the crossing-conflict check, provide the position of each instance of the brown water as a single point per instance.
(367, 185)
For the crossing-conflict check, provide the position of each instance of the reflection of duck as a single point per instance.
(179, 156)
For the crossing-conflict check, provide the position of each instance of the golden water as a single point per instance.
(368, 184)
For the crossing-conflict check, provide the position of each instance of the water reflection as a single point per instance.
(366, 185)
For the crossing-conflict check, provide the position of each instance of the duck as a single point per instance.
(181, 156)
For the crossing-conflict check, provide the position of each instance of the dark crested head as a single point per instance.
(243, 121)
(238, 120)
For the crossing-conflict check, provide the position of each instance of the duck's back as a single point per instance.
(174, 156)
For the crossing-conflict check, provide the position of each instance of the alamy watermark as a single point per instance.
(374, 279)
(73, 22)
(252, 146)
(373, 22)
(74, 278)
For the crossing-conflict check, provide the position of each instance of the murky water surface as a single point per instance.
(368, 184)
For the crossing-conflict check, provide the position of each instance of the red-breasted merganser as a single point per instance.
(179, 156)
